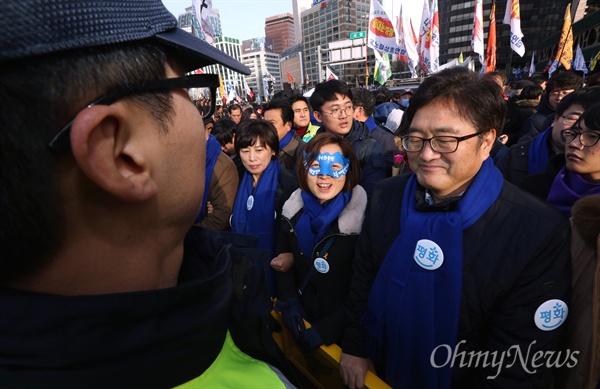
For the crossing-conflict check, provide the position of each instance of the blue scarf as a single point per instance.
(213, 150)
(538, 152)
(315, 221)
(286, 139)
(411, 310)
(260, 220)
(567, 188)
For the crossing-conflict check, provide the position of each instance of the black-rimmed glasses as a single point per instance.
(439, 144)
(61, 142)
(586, 138)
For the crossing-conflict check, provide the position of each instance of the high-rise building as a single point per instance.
(330, 21)
(263, 62)
(299, 7)
(232, 47)
(280, 29)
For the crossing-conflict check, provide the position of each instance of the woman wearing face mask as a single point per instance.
(320, 225)
(262, 187)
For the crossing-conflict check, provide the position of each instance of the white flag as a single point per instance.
(424, 39)
(532, 66)
(329, 74)
(512, 16)
(477, 37)
(407, 38)
(202, 9)
(381, 35)
(579, 61)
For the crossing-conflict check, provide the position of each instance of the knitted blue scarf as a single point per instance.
(286, 139)
(213, 150)
(538, 152)
(260, 219)
(412, 310)
(315, 221)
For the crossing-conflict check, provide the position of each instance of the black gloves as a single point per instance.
(292, 315)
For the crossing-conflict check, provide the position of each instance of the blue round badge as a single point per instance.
(250, 202)
(428, 254)
(551, 314)
(321, 265)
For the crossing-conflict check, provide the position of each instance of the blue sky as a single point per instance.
(240, 19)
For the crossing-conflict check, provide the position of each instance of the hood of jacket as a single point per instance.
(351, 218)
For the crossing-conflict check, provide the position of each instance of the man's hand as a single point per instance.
(354, 369)
(282, 262)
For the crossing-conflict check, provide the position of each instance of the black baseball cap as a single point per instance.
(32, 28)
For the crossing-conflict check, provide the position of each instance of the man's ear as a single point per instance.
(318, 116)
(107, 154)
(489, 138)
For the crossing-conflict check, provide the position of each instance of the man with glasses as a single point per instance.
(102, 282)
(333, 108)
(557, 87)
(532, 156)
(575, 172)
(452, 262)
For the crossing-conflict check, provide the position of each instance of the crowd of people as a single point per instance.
(446, 236)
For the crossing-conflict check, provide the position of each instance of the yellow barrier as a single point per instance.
(321, 365)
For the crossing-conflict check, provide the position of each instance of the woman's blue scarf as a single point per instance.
(213, 150)
(411, 311)
(260, 219)
(567, 188)
(315, 221)
(538, 152)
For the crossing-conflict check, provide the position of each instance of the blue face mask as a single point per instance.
(326, 162)
(404, 102)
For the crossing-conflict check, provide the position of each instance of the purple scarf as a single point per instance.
(567, 188)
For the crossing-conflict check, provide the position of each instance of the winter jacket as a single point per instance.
(584, 315)
(537, 122)
(145, 339)
(386, 139)
(516, 114)
(222, 190)
(325, 294)
(290, 153)
(369, 154)
(383, 110)
(539, 184)
(514, 165)
(515, 258)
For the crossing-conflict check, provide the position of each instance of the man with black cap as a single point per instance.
(102, 175)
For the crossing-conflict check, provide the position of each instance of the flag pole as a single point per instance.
(366, 64)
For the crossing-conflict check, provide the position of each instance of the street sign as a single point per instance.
(358, 35)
